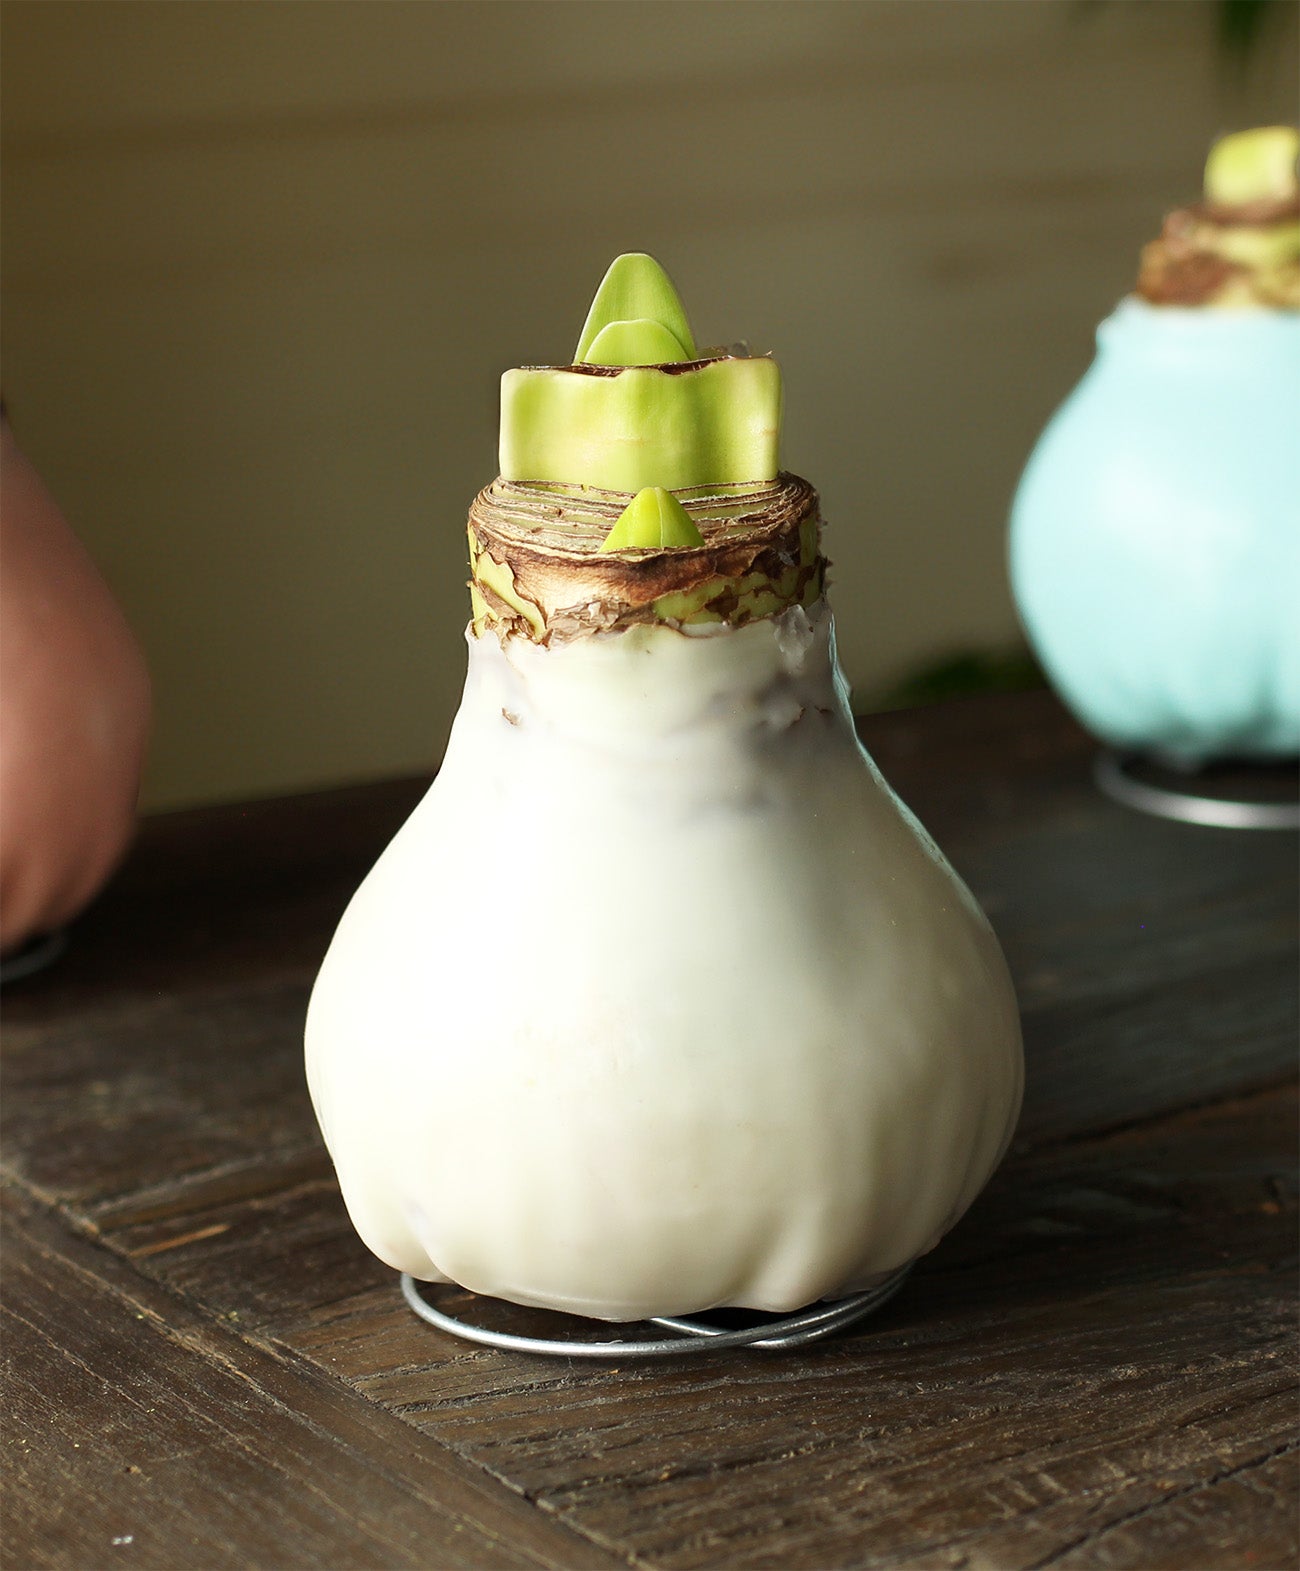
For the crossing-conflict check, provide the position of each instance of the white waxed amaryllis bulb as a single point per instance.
(660, 1000)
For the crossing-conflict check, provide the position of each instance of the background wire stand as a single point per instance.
(690, 1335)
(32, 957)
(1223, 796)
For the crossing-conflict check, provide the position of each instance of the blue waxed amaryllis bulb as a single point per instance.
(1155, 535)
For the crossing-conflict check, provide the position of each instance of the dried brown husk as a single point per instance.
(1184, 268)
(538, 571)
(1249, 215)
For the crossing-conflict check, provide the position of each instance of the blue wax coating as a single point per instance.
(1155, 534)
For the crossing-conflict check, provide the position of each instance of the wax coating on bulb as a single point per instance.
(660, 1001)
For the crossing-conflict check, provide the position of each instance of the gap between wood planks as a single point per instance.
(1150, 1509)
(1149, 1123)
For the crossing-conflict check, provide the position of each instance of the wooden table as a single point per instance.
(1095, 1369)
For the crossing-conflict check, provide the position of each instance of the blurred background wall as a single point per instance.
(263, 265)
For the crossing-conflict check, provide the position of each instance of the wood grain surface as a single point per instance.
(1096, 1368)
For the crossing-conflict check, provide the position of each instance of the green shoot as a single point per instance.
(653, 520)
(635, 288)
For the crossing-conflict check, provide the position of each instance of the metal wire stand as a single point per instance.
(690, 1335)
(34, 956)
(1114, 775)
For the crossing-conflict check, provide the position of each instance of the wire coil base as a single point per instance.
(34, 956)
(691, 1335)
(1116, 777)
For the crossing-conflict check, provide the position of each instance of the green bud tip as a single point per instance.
(638, 342)
(652, 520)
(637, 298)
(1253, 166)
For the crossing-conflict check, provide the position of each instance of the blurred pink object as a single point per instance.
(74, 714)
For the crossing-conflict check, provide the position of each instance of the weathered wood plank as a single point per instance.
(1178, 1530)
(1108, 1331)
(140, 1434)
(261, 1257)
(1108, 1340)
(165, 1089)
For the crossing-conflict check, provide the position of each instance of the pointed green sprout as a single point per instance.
(635, 289)
(1253, 166)
(638, 342)
(652, 520)
(645, 422)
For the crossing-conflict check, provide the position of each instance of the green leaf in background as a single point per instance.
(1239, 23)
(960, 675)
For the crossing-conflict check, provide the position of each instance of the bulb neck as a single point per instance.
(539, 572)
(1209, 340)
(657, 690)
